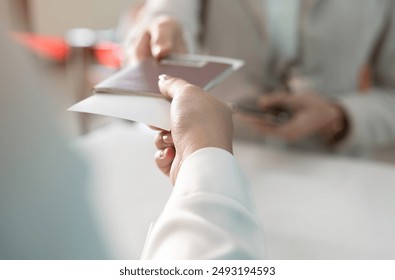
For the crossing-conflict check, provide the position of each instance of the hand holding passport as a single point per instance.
(133, 93)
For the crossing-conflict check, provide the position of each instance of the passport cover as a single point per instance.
(142, 78)
(133, 93)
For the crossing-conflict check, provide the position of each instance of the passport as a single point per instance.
(142, 78)
(133, 93)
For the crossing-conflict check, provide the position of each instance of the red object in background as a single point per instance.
(108, 54)
(56, 48)
(48, 46)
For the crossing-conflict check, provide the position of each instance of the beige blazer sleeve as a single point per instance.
(372, 114)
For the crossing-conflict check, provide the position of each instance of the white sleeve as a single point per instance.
(211, 213)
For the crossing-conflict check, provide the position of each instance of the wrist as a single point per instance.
(337, 129)
(203, 143)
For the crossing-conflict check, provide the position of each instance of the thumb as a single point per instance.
(140, 49)
(172, 87)
(162, 40)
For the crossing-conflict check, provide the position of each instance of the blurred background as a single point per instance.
(70, 72)
(72, 78)
(56, 17)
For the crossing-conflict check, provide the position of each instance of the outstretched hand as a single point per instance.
(198, 120)
(161, 37)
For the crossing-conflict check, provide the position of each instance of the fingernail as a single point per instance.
(166, 139)
(162, 152)
(163, 77)
(156, 50)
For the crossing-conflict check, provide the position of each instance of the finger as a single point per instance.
(163, 140)
(162, 38)
(172, 87)
(142, 48)
(248, 118)
(291, 131)
(297, 128)
(164, 158)
(167, 138)
(260, 125)
(278, 99)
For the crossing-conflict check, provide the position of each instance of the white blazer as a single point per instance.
(211, 213)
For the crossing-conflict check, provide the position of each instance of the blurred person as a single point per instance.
(329, 63)
(45, 211)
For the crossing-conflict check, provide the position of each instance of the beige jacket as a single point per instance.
(339, 38)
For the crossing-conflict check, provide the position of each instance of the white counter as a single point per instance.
(312, 206)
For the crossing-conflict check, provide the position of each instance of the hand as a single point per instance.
(198, 120)
(160, 38)
(311, 114)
